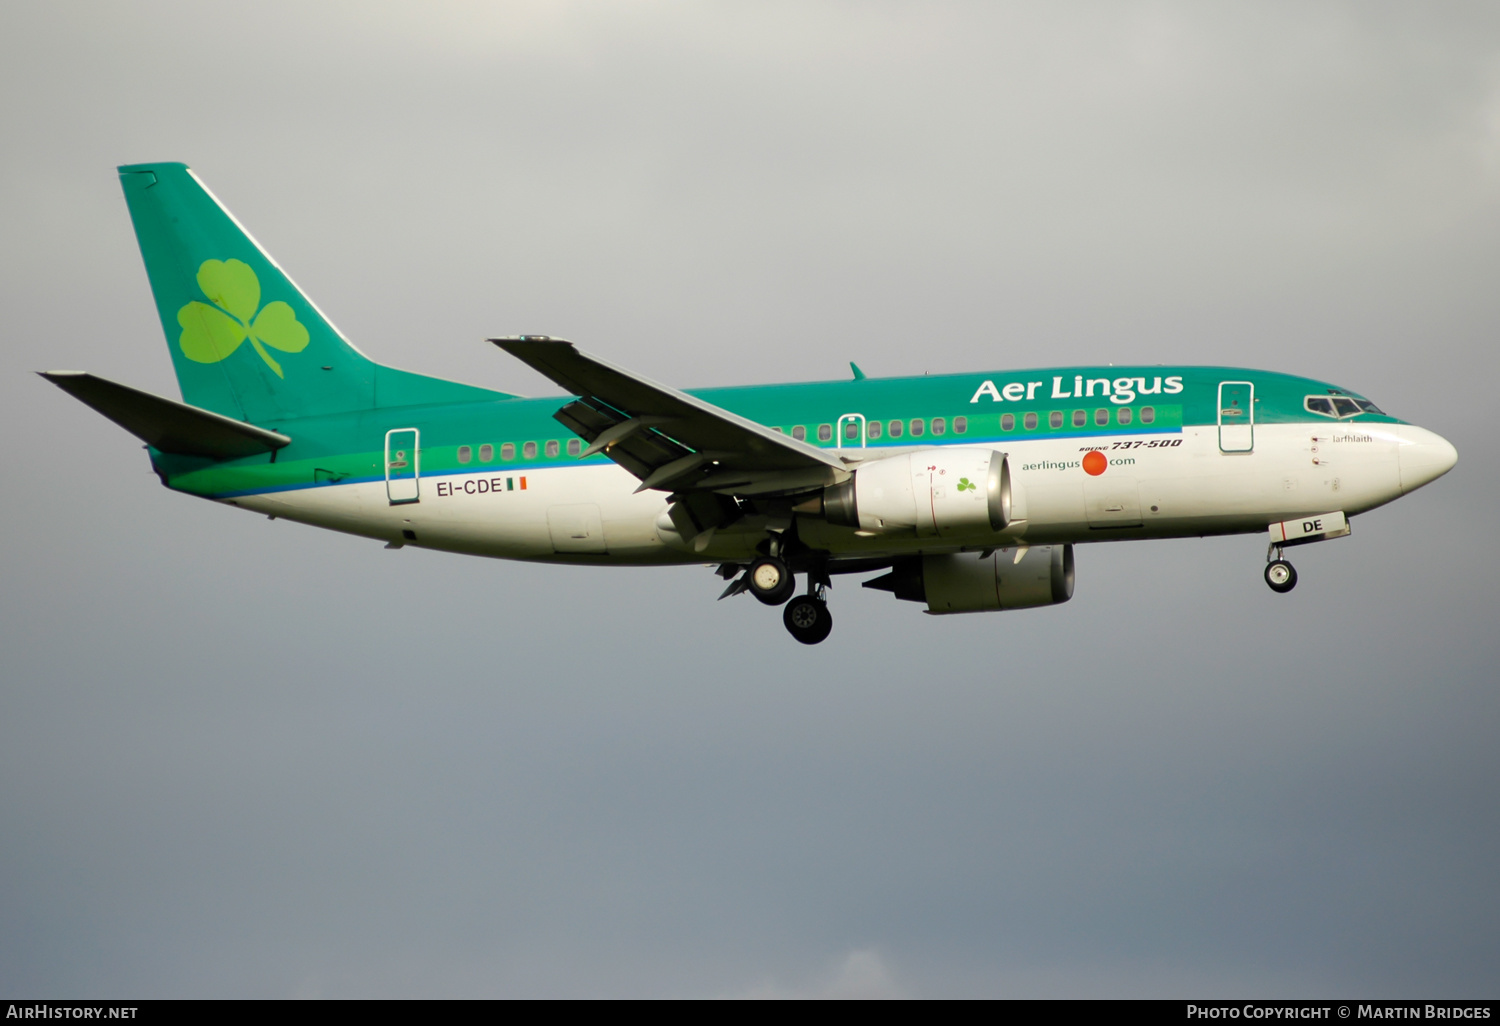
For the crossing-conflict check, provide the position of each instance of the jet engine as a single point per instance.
(952, 490)
(1041, 575)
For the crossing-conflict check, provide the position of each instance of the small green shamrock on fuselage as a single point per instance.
(212, 333)
(965, 485)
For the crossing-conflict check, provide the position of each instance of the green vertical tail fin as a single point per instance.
(245, 341)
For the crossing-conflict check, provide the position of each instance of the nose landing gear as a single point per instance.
(1280, 575)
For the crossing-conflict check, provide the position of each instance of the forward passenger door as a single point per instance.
(1236, 416)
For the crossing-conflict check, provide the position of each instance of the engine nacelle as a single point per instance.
(1041, 576)
(952, 490)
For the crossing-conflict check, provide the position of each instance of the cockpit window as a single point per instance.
(1339, 406)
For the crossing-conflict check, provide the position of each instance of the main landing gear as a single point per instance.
(772, 581)
(807, 617)
(1280, 575)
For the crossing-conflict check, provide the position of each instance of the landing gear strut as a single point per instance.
(807, 616)
(1280, 575)
(770, 579)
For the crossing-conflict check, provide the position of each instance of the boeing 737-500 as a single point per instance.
(964, 492)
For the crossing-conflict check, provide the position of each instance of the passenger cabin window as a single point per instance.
(486, 452)
(778, 430)
(917, 428)
(1056, 419)
(895, 427)
(575, 446)
(1148, 414)
(508, 451)
(465, 454)
(799, 432)
(939, 425)
(1101, 417)
(960, 425)
(529, 450)
(872, 430)
(1007, 422)
(1123, 415)
(1030, 422)
(825, 432)
(1080, 418)
(851, 430)
(553, 448)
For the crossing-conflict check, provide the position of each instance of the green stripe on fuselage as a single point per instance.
(347, 448)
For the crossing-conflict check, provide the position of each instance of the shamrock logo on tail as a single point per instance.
(211, 333)
(965, 485)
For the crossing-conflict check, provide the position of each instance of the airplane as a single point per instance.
(964, 492)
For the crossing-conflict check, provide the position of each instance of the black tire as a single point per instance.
(771, 580)
(1281, 576)
(808, 619)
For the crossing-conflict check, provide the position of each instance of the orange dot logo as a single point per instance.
(1094, 463)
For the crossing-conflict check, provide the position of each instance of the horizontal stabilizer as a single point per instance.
(165, 424)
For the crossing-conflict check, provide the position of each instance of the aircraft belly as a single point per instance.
(846, 541)
(577, 514)
(336, 507)
(1191, 487)
(1056, 504)
(591, 513)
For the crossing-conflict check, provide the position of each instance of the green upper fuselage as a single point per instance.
(951, 409)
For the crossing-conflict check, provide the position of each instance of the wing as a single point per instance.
(670, 440)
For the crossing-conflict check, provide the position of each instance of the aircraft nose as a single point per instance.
(1423, 456)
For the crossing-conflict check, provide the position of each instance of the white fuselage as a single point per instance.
(1152, 486)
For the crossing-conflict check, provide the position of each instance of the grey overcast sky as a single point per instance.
(246, 758)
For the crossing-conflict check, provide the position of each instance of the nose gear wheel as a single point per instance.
(1281, 576)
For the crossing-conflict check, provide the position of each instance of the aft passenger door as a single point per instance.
(1236, 416)
(401, 466)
